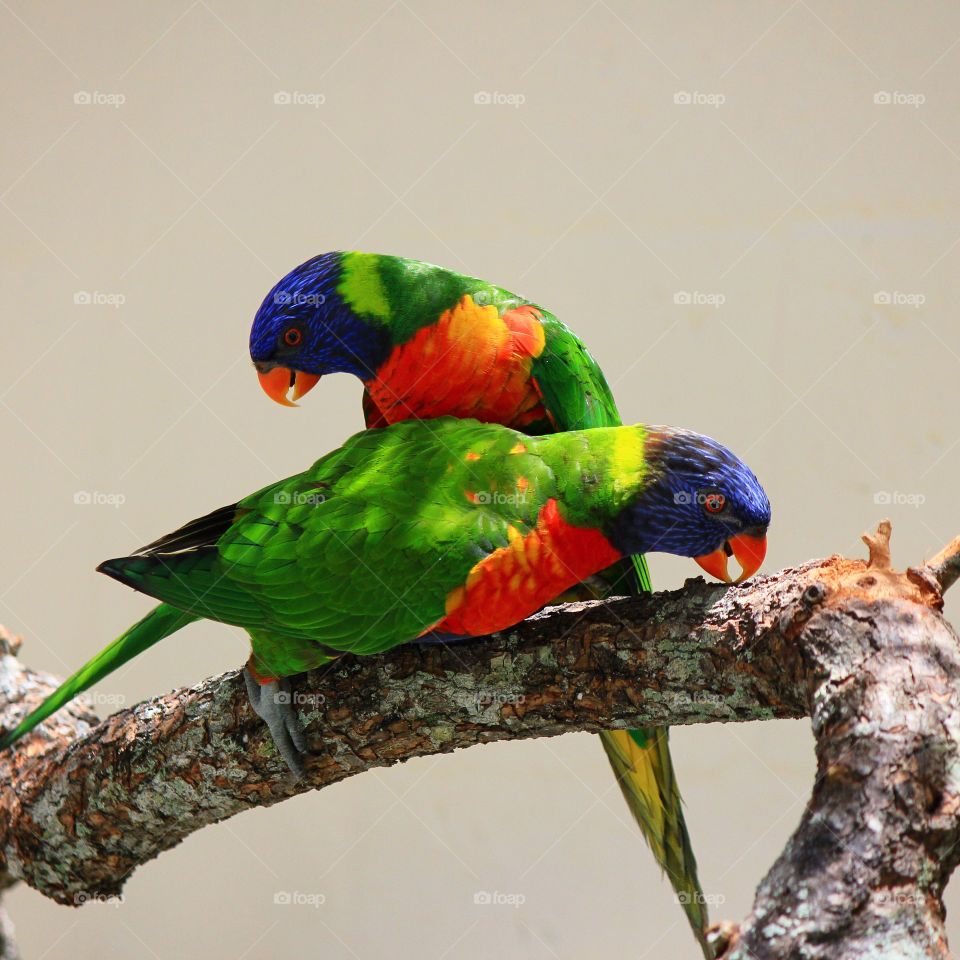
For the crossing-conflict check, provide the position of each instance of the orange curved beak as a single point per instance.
(749, 551)
(277, 382)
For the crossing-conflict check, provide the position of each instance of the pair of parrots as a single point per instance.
(494, 477)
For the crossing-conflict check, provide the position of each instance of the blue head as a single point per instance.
(698, 500)
(304, 329)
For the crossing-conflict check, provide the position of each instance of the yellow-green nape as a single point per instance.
(361, 285)
(625, 466)
(628, 452)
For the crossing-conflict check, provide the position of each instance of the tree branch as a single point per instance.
(859, 647)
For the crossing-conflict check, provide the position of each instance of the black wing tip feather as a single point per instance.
(203, 532)
(117, 569)
(193, 538)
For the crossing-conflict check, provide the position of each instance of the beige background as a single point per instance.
(782, 187)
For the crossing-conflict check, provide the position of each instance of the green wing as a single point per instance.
(575, 391)
(346, 557)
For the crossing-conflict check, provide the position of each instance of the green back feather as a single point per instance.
(406, 295)
(358, 553)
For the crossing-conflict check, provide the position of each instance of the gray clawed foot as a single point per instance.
(273, 703)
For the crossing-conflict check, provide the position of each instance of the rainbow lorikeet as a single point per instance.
(442, 515)
(429, 342)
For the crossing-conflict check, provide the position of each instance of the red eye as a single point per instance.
(714, 502)
(292, 337)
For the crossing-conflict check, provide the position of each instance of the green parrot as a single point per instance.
(426, 529)
(429, 342)
(442, 528)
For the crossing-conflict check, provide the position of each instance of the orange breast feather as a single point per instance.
(520, 578)
(471, 363)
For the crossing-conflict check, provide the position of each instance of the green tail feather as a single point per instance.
(644, 770)
(157, 624)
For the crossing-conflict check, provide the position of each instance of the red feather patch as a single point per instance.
(520, 578)
(471, 363)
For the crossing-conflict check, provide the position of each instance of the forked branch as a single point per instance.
(859, 647)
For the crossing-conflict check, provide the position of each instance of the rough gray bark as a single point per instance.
(862, 649)
(864, 873)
